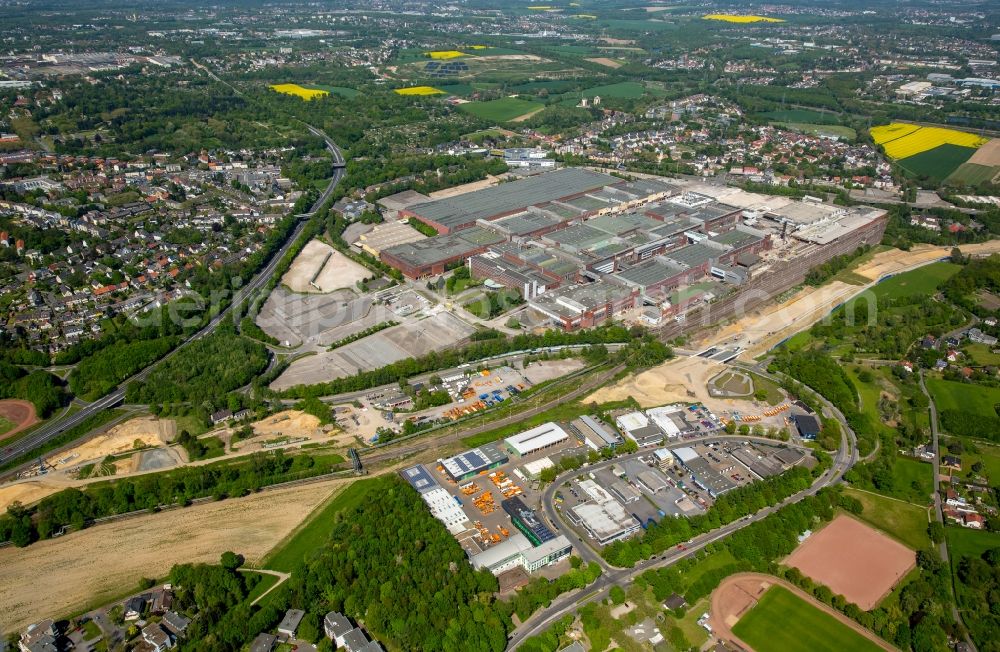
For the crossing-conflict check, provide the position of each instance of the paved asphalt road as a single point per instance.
(846, 457)
(53, 429)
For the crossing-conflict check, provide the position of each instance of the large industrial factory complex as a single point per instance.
(582, 246)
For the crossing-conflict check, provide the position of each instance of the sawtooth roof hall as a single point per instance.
(462, 211)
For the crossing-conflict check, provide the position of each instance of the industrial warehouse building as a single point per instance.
(638, 428)
(595, 433)
(525, 520)
(538, 438)
(472, 462)
(605, 519)
(518, 551)
(441, 504)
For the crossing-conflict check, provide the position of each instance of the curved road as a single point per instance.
(53, 429)
(846, 457)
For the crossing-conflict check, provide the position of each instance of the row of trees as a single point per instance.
(74, 508)
(729, 507)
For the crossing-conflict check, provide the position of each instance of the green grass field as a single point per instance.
(315, 530)
(923, 281)
(5, 425)
(963, 542)
(622, 90)
(502, 110)
(263, 584)
(937, 163)
(973, 174)
(456, 89)
(964, 397)
(844, 133)
(985, 453)
(913, 480)
(800, 116)
(908, 523)
(783, 622)
(982, 355)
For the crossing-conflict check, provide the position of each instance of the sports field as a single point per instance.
(920, 282)
(502, 110)
(783, 622)
(299, 91)
(901, 140)
(964, 397)
(906, 522)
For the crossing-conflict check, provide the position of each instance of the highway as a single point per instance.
(53, 429)
(845, 458)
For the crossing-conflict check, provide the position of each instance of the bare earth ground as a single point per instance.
(522, 118)
(604, 61)
(669, 382)
(988, 154)
(338, 271)
(150, 431)
(62, 576)
(738, 593)
(26, 492)
(854, 560)
(20, 413)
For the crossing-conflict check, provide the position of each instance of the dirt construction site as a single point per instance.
(62, 576)
(681, 380)
(135, 433)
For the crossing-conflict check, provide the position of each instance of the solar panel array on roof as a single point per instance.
(419, 478)
(473, 461)
(524, 519)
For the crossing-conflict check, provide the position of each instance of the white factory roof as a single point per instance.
(661, 417)
(537, 438)
(492, 557)
(632, 421)
(537, 466)
(685, 454)
(533, 554)
(606, 520)
(444, 508)
(596, 492)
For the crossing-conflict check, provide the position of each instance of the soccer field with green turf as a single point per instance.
(783, 622)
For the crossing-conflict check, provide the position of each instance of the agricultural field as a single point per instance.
(342, 91)
(964, 397)
(974, 174)
(299, 91)
(902, 140)
(923, 281)
(502, 110)
(419, 90)
(783, 622)
(937, 164)
(734, 18)
(905, 522)
(623, 90)
(444, 55)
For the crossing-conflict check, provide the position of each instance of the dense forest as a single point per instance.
(978, 590)
(39, 387)
(98, 374)
(204, 371)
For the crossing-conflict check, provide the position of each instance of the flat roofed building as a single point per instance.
(652, 481)
(445, 508)
(625, 492)
(525, 520)
(384, 236)
(659, 273)
(546, 554)
(419, 478)
(524, 280)
(606, 522)
(661, 416)
(461, 211)
(517, 551)
(534, 469)
(472, 462)
(632, 421)
(290, 622)
(582, 306)
(596, 434)
(540, 437)
(433, 255)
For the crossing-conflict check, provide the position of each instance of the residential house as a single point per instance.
(290, 622)
(263, 643)
(40, 637)
(157, 638)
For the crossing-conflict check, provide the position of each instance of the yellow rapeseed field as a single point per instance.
(477, 47)
(902, 140)
(298, 91)
(733, 18)
(419, 90)
(445, 54)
